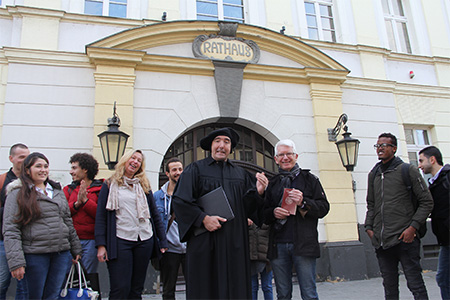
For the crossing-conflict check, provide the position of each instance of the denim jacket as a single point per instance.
(163, 203)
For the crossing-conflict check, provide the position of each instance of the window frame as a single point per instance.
(413, 149)
(320, 30)
(220, 10)
(187, 147)
(106, 7)
(394, 20)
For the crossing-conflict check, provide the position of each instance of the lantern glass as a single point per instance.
(113, 143)
(122, 144)
(348, 151)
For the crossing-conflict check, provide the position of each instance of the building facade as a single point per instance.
(271, 69)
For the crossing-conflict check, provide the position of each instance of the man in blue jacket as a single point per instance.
(175, 255)
(430, 161)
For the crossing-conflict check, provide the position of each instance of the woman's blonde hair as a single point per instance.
(120, 170)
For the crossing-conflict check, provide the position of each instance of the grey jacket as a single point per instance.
(52, 232)
(389, 207)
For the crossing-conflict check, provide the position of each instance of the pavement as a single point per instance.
(370, 289)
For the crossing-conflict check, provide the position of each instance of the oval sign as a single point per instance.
(226, 49)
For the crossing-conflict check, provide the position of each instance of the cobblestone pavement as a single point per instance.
(371, 289)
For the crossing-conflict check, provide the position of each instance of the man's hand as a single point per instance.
(18, 273)
(370, 233)
(261, 182)
(212, 223)
(280, 213)
(82, 194)
(102, 255)
(408, 235)
(296, 196)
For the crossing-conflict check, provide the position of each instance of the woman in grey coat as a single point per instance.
(38, 230)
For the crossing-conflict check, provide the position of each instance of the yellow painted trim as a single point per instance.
(46, 57)
(21, 11)
(396, 87)
(177, 32)
(180, 65)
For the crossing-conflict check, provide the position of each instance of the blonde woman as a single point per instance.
(126, 221)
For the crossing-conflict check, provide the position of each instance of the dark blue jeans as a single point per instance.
(5, 278)
(443, 272)
(408, 254)
(305, 268)
(45, 274)
(127, 272)
(266, 285)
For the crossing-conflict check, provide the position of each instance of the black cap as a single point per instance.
(206, 142)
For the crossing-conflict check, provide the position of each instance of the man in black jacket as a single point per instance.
(293, 238)
(392, 219)
(17, 154)
(430, 161)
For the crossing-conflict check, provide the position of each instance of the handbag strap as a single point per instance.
(69, 279)
(81, 276)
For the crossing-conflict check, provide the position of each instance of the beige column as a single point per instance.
(341, 222)
(114, 81)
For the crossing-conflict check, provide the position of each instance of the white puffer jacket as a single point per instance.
(52, 232)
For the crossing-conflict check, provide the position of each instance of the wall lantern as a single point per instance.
(113, 141)
(348, 147)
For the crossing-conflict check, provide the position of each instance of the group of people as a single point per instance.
(119, 221)
(46, 227)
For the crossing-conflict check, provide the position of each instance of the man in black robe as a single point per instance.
(217, 261)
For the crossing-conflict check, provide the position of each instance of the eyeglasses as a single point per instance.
(289, 155)
(384, 145)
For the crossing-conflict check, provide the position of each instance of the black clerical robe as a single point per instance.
(218, 263)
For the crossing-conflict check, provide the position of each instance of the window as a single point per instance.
(113, 8)
(319, 18)
(396, 25)
(227, 10)
(252, 148)
(416, 140)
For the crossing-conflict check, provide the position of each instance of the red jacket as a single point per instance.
(84, 217)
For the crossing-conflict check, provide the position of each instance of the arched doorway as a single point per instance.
(253, 152)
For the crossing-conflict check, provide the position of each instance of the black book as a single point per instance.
(215, 203)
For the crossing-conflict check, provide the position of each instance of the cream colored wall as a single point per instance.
(115, 80)
(436, 27)
(341, 221)
(39, 28)
(3, 84)
(50, 4)
(278, 14)
(366, 24)
(428, 108)
(157, 7)
(372, 62)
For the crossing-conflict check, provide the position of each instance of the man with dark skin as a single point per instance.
(392, 218)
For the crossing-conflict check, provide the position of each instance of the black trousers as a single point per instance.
(408, 254)
(170, 264)
(127, 273)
